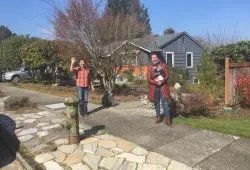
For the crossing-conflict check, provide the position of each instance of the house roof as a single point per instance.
(165, 39)
(155, 43)
(146, 43)
(151, 43)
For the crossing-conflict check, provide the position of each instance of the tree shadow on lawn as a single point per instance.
(9, 143)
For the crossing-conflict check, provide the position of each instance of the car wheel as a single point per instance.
(15, 79)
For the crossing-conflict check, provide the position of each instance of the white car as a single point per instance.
(15, 76)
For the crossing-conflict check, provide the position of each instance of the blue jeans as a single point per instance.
(82, 93)
(158, 98)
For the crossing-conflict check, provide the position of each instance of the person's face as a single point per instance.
(154, 58)
(81, 63)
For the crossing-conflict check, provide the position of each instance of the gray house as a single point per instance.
(177, 50)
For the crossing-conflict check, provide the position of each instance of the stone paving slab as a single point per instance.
(92, 160)
(44, 158)
(27, 131)
(79, 166)
(52, 165)
(55, 106)
(75, 156)
(25, 138)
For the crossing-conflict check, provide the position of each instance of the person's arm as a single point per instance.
(71, 69)
(166, 73)
(90, 82)
(149, 77)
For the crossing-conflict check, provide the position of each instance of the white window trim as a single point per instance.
(192, 59)
(172, 57)
(197, 79)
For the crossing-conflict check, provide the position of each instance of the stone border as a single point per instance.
(23, 161)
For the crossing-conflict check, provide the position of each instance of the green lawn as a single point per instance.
(238, 127)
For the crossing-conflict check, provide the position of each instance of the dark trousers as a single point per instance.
(82, 93)
(158, 98)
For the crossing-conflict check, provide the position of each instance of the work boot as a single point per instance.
(158, 119)
(168, 122)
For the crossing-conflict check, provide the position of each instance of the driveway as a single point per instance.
(36, 97)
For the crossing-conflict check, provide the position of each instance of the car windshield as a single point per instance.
(19, 69)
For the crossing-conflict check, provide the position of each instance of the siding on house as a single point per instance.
(180, 49)
(144, 58)
(177, 43)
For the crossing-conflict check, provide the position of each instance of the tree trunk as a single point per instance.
(0, 74)
(108, 99)
(101, 81)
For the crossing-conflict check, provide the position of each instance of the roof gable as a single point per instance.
(151, 43)
(162, 40)
(168, 39)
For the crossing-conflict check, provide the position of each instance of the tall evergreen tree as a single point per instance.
(129, 7)
(4, 33)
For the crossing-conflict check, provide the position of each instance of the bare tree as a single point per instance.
(82, 23)
(220, 37)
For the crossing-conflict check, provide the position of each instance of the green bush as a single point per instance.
(177, 76)
(207, 73)
(128, 74)
(237, 52)
(141, 83)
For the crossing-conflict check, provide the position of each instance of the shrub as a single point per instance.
(175, 107)
(141, 83)
(121, 89)
(194, 104)
(128, 74)
(207, 73)
(177, 76)
(185, 88)
(210, 93)
(12, 103)
(126, 90)
(242, 88)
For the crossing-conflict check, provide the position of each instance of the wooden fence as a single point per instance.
(230, 77)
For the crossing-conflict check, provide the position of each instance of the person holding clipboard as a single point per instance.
(158, 91)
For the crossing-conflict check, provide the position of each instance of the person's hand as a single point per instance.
(92, 88)
(73, 60)
(159, 83)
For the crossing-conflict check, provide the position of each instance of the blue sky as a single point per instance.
(196, 17)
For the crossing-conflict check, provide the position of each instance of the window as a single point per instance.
(170, 59)
(189, 59)
(196, 81)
